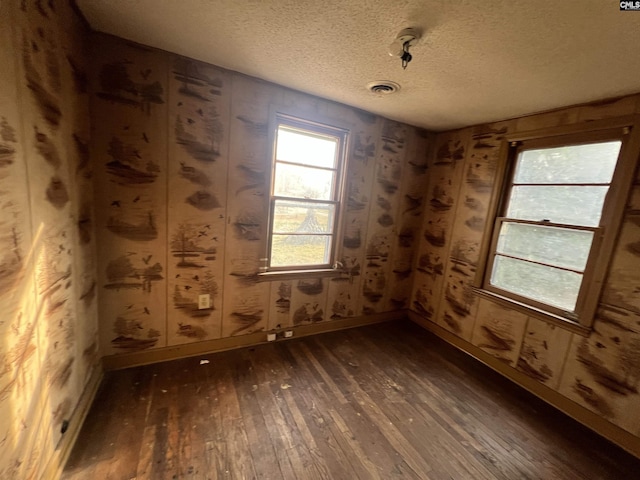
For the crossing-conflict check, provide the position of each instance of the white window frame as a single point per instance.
(321, 128)
(605, 234)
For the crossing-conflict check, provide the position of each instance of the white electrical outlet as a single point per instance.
(204, 301)
(271, 337)
(288, 333)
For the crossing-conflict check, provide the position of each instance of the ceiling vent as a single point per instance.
(383, 87)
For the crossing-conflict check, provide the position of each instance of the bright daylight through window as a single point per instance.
(305, 195)
(547, 234)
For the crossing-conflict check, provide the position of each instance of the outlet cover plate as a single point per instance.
(204, 301)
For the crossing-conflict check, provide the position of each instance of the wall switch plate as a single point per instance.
(271, 337)
(288, 333)
(204, 301)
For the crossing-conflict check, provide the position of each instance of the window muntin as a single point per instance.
(545, 242)
(305, 195)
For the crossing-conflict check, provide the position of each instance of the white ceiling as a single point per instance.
(477, 61)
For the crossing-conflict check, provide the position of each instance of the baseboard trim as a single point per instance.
(615, 434)
(56, 463)
(146, 357)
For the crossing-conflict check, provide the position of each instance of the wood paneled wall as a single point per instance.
(601, 372)
(48, 319)
(177, 159)
(182, 159)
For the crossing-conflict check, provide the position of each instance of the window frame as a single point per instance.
(605, 234)
(320, 127)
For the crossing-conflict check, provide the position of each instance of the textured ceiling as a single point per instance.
(477, 61)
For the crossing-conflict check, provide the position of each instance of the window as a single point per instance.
(306, 192)
(556, 222)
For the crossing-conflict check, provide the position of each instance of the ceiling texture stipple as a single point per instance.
(477, 61)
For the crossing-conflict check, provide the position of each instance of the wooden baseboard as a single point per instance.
(56, 463)
(145, 357)
(595, 422)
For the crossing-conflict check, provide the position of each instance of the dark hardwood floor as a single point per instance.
(379, 402)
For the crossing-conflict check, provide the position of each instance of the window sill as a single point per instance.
(298, 274)
(534, 312)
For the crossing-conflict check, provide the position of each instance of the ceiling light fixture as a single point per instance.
(400, 46)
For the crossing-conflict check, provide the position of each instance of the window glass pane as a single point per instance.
(300, 217)
(593, 163)
(303, 182)
(560, 247)
(548, 285)
(569, 205)
(312, 150)
(300, 250)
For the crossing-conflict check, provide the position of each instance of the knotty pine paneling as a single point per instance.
(182, 207)
(459, 308)
(199, 109)
(596, 372)
(446, 168)
(246, 299)
(383, 217)
(602, 372)
(543, 352)
(48, 332)
(129, 148)
(345, 297)
(407, 233)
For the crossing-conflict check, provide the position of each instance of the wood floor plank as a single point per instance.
(397, 398)
(265, 376)
(372, 408)
(508, 470)
(365, 433)
(382, 402)
(321, 441)
(129, 420)
(374, 443)
(238, 461)
(363, 466)
(272, 378)
(145, 460)
(262, 452)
